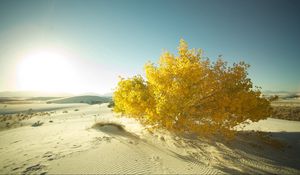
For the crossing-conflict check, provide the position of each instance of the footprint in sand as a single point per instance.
(48, 154)
(155, 158)
(132, 142)
(76, 146)
(51, 156)
(14, 169)
(16, 141)
(98, 140)
(34, 169)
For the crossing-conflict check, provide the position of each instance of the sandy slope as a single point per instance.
(70, 145)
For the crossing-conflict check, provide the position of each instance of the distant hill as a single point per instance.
(83, 99)
(89, 94)
(42, 98)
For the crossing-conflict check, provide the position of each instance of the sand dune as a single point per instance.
(70, 144)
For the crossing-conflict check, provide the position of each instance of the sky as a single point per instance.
(89, 44)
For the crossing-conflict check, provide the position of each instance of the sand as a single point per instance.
(67, 143)
(35, 107)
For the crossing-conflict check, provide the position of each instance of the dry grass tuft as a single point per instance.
(286, 112)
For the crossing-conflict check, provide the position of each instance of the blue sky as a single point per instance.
(110, 38)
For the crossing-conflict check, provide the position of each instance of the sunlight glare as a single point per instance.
(46, 70)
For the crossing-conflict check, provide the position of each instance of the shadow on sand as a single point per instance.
(114, 129)
(248, 153)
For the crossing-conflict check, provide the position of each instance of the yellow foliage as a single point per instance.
(187, 93)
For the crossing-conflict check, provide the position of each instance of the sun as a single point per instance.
(45, 70)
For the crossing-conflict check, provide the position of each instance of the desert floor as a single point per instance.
(64, 141)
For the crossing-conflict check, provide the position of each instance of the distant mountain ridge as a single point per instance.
(83, 99)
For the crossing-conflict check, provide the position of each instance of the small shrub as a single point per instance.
(189, 94)
(111, 104)
(30, 111)
(286, 112)
(36, 124)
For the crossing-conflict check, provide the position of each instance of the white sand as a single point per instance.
(35, 107)
(274, 125)
(70, 145)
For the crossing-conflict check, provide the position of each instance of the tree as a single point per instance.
(189, 94)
